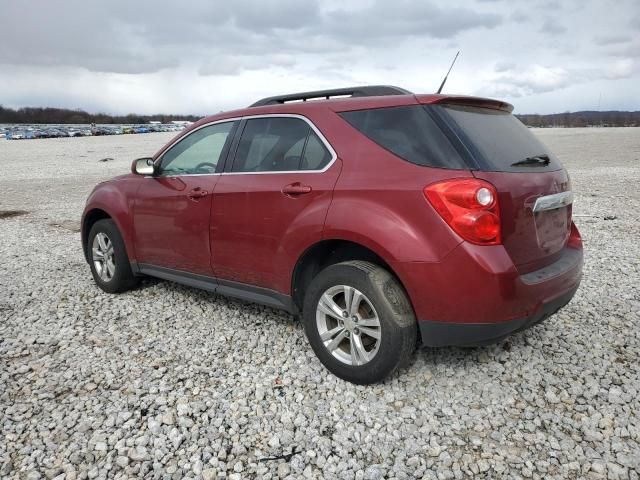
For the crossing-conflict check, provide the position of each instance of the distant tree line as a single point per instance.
(66, 116)
(612, 118)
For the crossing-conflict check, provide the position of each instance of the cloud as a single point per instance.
(514, 81)
(624, 50)
(124, 36)
(623, 68)
(504, 66)
(535, 79)
(403, 18)
(612, 39)
(236, 65)
(519, 16)
(202, 55)
(130, 37)
(552, 27)
(274, 14)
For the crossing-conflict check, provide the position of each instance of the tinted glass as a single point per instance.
(500, 139)
(410, 133)
(198, 152)
(277, 144)
(316, 156)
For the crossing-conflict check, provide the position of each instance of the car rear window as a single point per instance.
(410, 133)
(497, 139)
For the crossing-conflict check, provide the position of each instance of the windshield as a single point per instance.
(498, 140)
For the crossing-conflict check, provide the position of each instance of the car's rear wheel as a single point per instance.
(359, 321)
(108, 258)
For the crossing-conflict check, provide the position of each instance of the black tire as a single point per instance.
(397, 321)
(123, 278)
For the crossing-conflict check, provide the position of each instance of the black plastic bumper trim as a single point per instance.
(445, 334)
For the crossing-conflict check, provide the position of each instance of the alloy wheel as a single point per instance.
(348, 325)
(103, 256)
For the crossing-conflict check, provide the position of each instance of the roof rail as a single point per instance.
(365, 91)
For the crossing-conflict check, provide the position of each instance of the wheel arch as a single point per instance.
(90, 218)
(329, 252)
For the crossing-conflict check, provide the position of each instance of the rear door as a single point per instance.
(173, 207)
(533, 188)
(271, 201)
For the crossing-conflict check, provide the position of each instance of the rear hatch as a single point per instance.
(533, 188)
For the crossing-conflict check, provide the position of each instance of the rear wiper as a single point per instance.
(542, 160)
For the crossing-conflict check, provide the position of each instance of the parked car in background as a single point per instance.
(16, 135)
(382, 219)
(57, 133)
(65, 131)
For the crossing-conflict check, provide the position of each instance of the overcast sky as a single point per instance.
(203, 56)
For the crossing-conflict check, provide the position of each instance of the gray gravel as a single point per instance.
(171, 382)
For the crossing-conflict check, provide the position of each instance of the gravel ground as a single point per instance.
(171, 382)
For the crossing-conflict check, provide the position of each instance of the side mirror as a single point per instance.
(143, 166)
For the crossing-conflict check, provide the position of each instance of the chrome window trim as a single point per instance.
(551, 202)
(323, 139)
(325, 142)
(184, 175)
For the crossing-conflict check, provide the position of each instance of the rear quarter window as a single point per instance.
(410, 133)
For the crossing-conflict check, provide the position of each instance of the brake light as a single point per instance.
(575, 240)
(469, 206)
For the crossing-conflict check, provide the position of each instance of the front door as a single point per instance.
(272, 202)
(173, 207)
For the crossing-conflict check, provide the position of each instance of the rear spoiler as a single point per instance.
(466, 101)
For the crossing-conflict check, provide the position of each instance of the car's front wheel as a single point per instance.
(108, 258)
(359, 321)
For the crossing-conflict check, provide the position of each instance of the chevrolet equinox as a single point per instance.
(384, 219)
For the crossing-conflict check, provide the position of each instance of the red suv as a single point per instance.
(383, 218)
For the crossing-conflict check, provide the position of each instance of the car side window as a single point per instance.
(279, 144)
(198, 152)
(316, 156)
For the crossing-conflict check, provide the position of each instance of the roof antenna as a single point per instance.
(448, 71)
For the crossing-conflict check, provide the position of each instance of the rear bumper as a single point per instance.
(442, 334)
(476, 295)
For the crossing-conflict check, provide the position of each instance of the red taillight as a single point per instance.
(469, 206)
(575, 240)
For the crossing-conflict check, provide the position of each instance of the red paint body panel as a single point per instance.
(258, 232)
(171, 230)
(478, 284)
(465, 100)
(532, 240)
(115, 197)
(378, 202)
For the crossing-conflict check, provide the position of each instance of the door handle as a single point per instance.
(296, 189)
(197, 193)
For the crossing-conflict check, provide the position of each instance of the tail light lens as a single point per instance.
(575, 240)
(469, 206)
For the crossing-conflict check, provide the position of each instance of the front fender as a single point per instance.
(116, 199)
